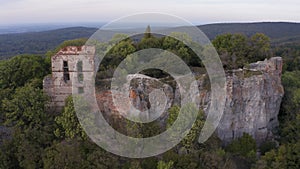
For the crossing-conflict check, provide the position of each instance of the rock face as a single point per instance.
(144, 91)
(252, 102)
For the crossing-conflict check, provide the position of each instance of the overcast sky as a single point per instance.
(196, 11)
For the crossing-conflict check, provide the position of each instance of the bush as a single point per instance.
(267, 146)
(244, 146)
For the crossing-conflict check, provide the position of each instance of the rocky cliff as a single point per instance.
(252, 103)
(144, 91)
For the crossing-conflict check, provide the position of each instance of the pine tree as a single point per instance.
(147, 33)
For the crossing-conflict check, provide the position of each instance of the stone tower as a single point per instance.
(72, 72)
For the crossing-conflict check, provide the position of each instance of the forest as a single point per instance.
(35, 137)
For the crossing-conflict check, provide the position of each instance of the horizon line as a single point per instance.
(106, 22)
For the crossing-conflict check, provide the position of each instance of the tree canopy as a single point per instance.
(237, 50)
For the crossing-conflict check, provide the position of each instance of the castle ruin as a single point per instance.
(72, 72)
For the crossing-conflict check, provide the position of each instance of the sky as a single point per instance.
(195, 11)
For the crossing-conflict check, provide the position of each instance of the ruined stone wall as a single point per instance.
(76, 63)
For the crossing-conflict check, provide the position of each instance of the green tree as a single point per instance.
(177, 43)
(259, 47)
(69, 126)
(232, 49)
(165, 165)
(31, 125)
(19, 70)
(5, 94)
(244, 146)
(29, 154)
(123, 48)
(8, 154)
(26, 109)
(66, 154)
(237, 50)
(290, 108)
(216, 159)
(267, 146)
(117, 53)
(147, 33)
(290, 131)
(98, 158)
(135, 164)
(30, 145)
(190, 140)
(150, 42)
(287, 156)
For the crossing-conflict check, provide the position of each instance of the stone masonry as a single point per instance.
(72, 72)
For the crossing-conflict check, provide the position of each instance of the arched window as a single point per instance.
(66, 71)
(79, 71)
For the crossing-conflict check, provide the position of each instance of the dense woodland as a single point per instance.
(36, 137)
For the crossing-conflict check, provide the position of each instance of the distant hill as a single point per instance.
(41, 42)
(277, 31)
(272, 29)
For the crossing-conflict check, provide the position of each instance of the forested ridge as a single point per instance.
(41, 42)
(39, 138)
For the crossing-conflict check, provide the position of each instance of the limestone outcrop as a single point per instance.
(142, 92)
(252, 102)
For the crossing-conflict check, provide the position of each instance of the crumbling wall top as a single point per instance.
(272, 64)
(76, 50)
